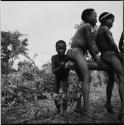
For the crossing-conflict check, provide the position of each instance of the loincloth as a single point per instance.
(72, 54)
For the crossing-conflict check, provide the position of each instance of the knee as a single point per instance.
(87, 79)
(121, 79)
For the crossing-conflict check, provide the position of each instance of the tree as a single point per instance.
(11, 47)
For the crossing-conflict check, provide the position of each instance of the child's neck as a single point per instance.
(104, 25)
(61, 55)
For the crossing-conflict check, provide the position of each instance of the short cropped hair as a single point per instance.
(104, 16)
(60, 41)
(85, 13)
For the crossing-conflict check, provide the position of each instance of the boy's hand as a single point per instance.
(99, 62)
(69, 65)
(62, 64)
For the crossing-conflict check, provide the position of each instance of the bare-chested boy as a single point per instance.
(61, 74)
(111, 56)
(81, 42)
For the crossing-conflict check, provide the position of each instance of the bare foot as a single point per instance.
(109, 108)
(121, 116)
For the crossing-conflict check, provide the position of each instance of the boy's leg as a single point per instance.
(109, 89)
(123, 60)
(78, 105)
(56, 88)
(119, 71)
(65, 88)
(123, 73)
(72, 54)
(79, 95)
(77, 56)
(116, 65)
(85, 79)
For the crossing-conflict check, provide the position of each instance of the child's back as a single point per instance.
(102, 40)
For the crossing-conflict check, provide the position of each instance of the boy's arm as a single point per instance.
(121, 43)
(90, 42)
(111, 41)
(54, 69)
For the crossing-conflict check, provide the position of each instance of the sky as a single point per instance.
(46, 22)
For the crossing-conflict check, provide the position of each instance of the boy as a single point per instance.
(80, 43)
(121, 47)
(121, 44)
(61, 73)
(111, 56)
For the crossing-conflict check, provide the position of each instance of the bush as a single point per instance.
(20, 86)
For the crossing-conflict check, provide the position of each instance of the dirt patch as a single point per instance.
(43, 111)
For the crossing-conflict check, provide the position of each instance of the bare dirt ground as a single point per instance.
(43, 111)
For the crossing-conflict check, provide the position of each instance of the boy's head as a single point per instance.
(61, 47)
(106, 19)
(89, 16)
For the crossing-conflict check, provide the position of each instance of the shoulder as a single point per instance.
(104, 28)
(54, 56)
(85, 28)
(85, 25)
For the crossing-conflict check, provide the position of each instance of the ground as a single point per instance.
(44, 111)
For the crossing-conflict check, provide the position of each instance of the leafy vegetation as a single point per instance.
(11, 47)
(26, 93)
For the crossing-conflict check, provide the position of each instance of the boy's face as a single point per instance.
(61, 48)
(109, 22)
(92, 19)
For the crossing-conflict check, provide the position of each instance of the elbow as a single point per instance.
(120, 48)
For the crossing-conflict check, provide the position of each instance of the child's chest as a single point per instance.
(59, 60)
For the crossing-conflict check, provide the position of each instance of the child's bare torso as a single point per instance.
(102, 40)
(79, 39)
